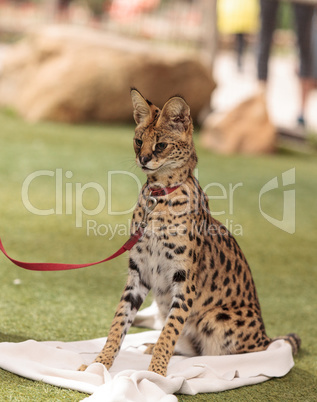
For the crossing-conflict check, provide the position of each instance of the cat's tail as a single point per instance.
(293, 339)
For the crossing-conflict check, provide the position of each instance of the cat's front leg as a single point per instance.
(131, 300)
(184, 294)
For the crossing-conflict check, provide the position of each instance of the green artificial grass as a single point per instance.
(76, 305)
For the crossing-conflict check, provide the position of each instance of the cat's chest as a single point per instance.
(165, 246)
(154, 262)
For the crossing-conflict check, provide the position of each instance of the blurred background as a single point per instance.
(213, 53)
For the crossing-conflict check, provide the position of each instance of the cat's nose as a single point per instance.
(144, 159)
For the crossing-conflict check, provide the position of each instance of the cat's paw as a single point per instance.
(149, 349)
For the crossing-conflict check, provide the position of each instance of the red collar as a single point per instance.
(160, 192)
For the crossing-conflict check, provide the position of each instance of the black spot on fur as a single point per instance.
(222, 317)
(226, 281)
(133, 265)
(134, 301)
(169, 245)
(228, 343)
(194, 257)
(180, 319)
(228, 266)
(175, 305)
(184, 307)
(228, 333)
(168, 255)
(213, 287)
(207, 243)
(222, 257)
(208, 301)
(176, 203)
(180, 250)
(179, 276)
(196, 346)
(207, 330)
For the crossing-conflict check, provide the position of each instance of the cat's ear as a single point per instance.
(141, 107)
(177, 112)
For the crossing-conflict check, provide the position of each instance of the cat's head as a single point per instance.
(163, 138)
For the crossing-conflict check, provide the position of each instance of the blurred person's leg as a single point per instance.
(303, 19)
(240, 45)
(268, 12)
(314, 47)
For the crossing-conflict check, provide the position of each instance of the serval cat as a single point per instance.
(198, 274)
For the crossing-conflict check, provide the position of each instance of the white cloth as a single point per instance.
(56, 363)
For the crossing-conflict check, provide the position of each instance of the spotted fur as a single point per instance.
(198, 274)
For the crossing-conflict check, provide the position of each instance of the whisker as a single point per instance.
(128, 163)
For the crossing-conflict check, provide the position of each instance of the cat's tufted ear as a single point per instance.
(177, 112)
(142, 109)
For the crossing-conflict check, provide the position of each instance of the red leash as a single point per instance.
(48, 266)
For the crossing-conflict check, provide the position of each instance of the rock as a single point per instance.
(245, 129)
(76, 74)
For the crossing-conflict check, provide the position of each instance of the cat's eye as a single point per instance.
(138, 143)
(160, 146)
